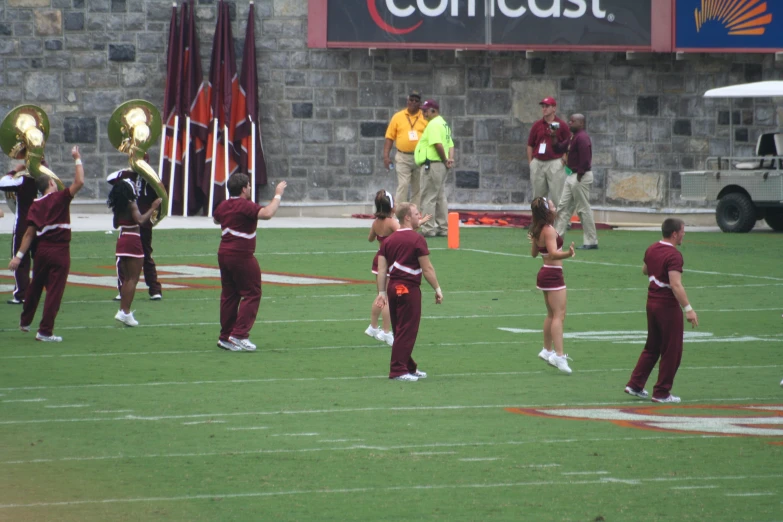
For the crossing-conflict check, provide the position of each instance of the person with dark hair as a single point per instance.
(404, 131)
(129, 251)
(665, 327)
(240, 275)
(145, 197)
(20, 188)
(435, 154)
(49, 219)
(546, 241)
(403, 259)
(579, 181)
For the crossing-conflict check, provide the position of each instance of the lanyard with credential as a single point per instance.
(413, 122)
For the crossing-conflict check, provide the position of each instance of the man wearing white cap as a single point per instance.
(547, 169)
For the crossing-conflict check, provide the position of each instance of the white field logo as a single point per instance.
(640, 336)
(174, 277)
(749, 421)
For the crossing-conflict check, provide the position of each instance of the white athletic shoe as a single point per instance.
(118, 297)
(48, 338)
(641, 394)
(561, 363)
(551, 359)
(372, 332)
(228, 345)
(545, 354)
(670, 398)
(127, 319)
(781, 384)
(244, 344)
(408, 377)
(420, 374)
(387, 338)
(24, 328)
(156, 297)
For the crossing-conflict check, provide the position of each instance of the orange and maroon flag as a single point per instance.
(245, 111)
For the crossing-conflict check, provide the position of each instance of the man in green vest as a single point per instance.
(435, 152)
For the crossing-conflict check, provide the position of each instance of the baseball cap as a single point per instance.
(548, 101)
(430, 104)
(414, 94)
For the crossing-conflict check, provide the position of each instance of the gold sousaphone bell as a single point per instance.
(23, 135)
(133, 128)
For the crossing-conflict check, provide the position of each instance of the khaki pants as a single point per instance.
(576, 197)
(433, 199)
(547, 178)
(408, 173)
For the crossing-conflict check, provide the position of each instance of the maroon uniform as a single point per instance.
(24, 189)
(144, 201)
(381, 239)
(539, 134)
(664, 322)
(240, 275)
(402, 251)
(550, 277)
(51, 217)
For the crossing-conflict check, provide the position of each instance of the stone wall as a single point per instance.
(324, 112)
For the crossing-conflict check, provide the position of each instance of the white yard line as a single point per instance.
(427, 453)
(359, 447)
(68, 406)
(203, 422)
(582, 261)
(758, 494)
(585, 473)
(480, 459)
(249, 428)
(375, 490)
(430, 317)
(295, 434)
(338, 411)
(694, 487)
(23, 400)
(346, 378)
(113, 411)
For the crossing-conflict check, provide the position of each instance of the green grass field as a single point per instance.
(156, 423)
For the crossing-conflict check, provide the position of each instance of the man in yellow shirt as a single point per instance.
(435, 153)
(404, 131)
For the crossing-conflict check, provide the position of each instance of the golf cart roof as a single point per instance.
(748, 90)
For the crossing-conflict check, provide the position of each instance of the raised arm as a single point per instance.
(140, 218)
(78, 178)
(271, 209)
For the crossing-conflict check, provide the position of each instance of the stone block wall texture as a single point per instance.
(324, 112)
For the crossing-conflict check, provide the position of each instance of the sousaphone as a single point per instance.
(23, 135)
(133, 128)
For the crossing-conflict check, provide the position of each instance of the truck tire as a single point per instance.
(774, 219)
(735, 213)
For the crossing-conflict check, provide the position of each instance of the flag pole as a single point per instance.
(212, 169)
(162, 149)
(252, 159)
(186, 170)
(173, 162)
(225, 157)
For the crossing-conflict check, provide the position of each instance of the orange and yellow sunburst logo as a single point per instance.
(740, 17)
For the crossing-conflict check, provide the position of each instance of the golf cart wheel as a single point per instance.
(735, 213)
(774, 219)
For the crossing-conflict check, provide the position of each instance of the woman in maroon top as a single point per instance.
(546, 241)
(129, 252)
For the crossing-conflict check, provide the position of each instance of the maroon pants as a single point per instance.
(405, 312)
(240, 278)
(149, 268)
(50, 271)
(22, 273)
(664, 342)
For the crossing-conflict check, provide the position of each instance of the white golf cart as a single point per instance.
(746, 188)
